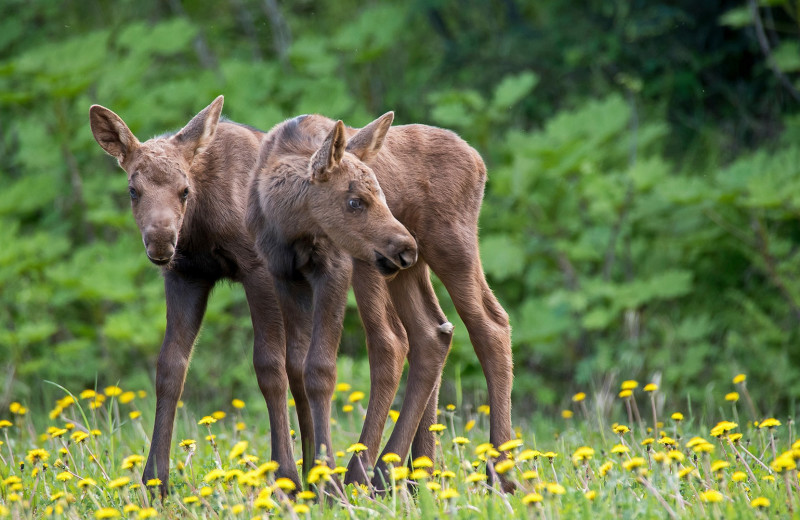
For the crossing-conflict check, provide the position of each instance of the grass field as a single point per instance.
(84, 459)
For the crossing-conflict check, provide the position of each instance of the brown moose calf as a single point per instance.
(433, 183)
(188, 195)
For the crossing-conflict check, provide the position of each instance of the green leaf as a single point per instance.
(737, 17)
(502, 256)
(787, 56)
(512, 89)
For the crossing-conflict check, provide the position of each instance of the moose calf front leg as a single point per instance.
(330, 299)
(186, 305)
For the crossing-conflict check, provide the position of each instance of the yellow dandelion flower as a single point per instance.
(739, 378)
(605, 468)
(484, 409)
(591, 494)
(86, 482)
(504, 466)
(550, 455)
(625, 393)
(422, 462)
(703, 447)
(135, 415)
(582, 453)
(685, 472)
(119, 482)
(87, 394)
(356, 396)
(148, 512)
(391, 458)
(211, 476)
(510, 445)
(347, 408)
(113, 391)
(343, 387)
(437, 428)
(567, 414)
(190, 499)
(37, 455)
(555, 489)
(306, 495)
(319, 472)
(130, 508)
(760, 502)
(528, 455)
(153, 482)
(532, 498)
(356, 448)
(237, 403)
(399, 473)
(219, 415)
(620, 449)
(739, 476)
(621, 429)
(450, 408)
(5, 424)
(301, 509)
(475, 477)
(577, 398)
(58, 432)
(127, 397)
(648, 441)
(285, 484)
(394, 415)
(722, 428)
(419, 474)
(783, 463)
(769, 423)
(677, 416)
(106, 512)
(650, 387)
(768, 478)
(719, 465)
(237, 509)
(634, 463)
(530, 474)
(734, 437)
(676, 456)
(732, 396)
(64, 476)
(667, 441)
(461, 441)
(630, 384)
(711, 495)
(448, 493)
(238, 449)
(470, 425)
(207, 420)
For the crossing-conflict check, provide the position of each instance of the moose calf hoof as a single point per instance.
(446, 328)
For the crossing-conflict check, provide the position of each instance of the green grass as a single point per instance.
(84, 459)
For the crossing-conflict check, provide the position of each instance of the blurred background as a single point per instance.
(640, 220)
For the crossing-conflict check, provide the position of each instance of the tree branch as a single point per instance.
(764, 43)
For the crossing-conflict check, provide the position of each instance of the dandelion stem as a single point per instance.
(658, 496)
(655, 418)
(10, 451)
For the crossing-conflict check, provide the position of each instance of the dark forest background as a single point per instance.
(640, 221)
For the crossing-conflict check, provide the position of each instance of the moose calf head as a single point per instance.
(348, 204)
(159, 172)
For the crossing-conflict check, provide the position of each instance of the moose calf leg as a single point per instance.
(295, 303)
(490, 333)
(330, 298)
(387, 347)
(429, 336)
(269, 360)
(186, 305)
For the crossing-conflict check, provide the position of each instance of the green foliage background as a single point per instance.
(640, 221)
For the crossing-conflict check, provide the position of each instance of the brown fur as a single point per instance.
(198, 237)
(433, 183)
(312, 205)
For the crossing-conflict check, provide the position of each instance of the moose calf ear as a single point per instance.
(111, 133)
(195, 137)
(329, 154)
(368, 141)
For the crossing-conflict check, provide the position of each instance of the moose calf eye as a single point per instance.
(133, 194)
(185, 194)
(355, 204)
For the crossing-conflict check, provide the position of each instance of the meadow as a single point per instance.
(620, 455)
